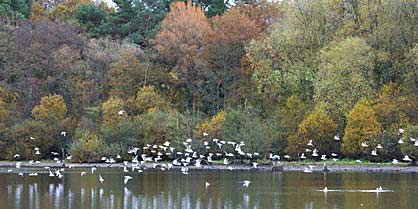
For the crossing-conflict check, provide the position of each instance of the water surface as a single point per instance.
(170, 189)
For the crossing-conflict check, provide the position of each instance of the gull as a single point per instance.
(274, 157)
(121, 112)
(406, 158)
(226, 161)
(93, 169)
(287, 156)
(334, 159)
(63, 133)
(395, 161)
(118, 156)
(32, 139)
(230, 168)
(310, 143)
(125, 169)
(51, 174)
(307, 170)
(374, 152)
(358, 161)
(315, 153)
(20, 174)
(69, 157)
(82, 173)
(10, 170)
(416, 143)
(167, 144)
(400, 131)
(54, 153)
(302, 156)
(255, 164)
(33, 174)
(126, 179)
(337, 137)
(324, 157)
(198, 164)
(37, 152)
(205, 134)
(334, 155)
(379, 189)
(207, 184)
(246, 183)
(364, 144)
(379, 146)
(400, 141)
(188, 140)
(16, 156)
(324, 190)
(205, 143)
(18, 164)
(412, 139)
(101, 180)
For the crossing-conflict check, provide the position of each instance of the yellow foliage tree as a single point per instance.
(51, 108)
(362, 126)
(147, 99)
(212, 127)
(318, 127)
(113, 112)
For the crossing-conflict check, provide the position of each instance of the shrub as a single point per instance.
(318, 127)
(87, 147)
(408, 148)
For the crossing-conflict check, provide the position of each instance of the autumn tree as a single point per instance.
(148, 99)
(51, 108)
(362, 126)
(223, 52)
(113, 112)
(180, 42)
(318, 127)
(212, 126)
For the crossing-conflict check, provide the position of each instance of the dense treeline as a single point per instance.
(96, 80)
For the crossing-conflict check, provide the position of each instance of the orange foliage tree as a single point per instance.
(180, 42)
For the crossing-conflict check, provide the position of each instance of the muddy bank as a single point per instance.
(4, 166)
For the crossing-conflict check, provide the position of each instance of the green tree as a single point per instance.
(90, 17)
(408, 147)
(345, 76)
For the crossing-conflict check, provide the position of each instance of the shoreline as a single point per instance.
(238, 167)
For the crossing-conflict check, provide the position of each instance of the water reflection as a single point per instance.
(154, 189)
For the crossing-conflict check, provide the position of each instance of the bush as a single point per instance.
(159, 127)
(87, 147)
(212, 126)
(248, 127)
(24, 137)
(362, 126)
(408, 148)
(318, 127)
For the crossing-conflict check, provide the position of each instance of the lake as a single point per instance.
(171, 189)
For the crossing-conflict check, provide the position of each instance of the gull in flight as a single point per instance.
(101, 178)
(126, 179)
(207, 184)
(63, 133)
(246, 183)
(406, 158)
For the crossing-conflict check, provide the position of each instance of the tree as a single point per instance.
(113, 112)
(318, 127)
(362, 126)
(213, 7)
(212, 126)
(87, 147)
(51, 109)
(345, 75)
(148, 99)
(223, 52)
(90, 17)
(180, 42)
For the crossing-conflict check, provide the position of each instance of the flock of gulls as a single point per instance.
(164, 157)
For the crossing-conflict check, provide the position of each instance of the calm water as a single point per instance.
(170, 189)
